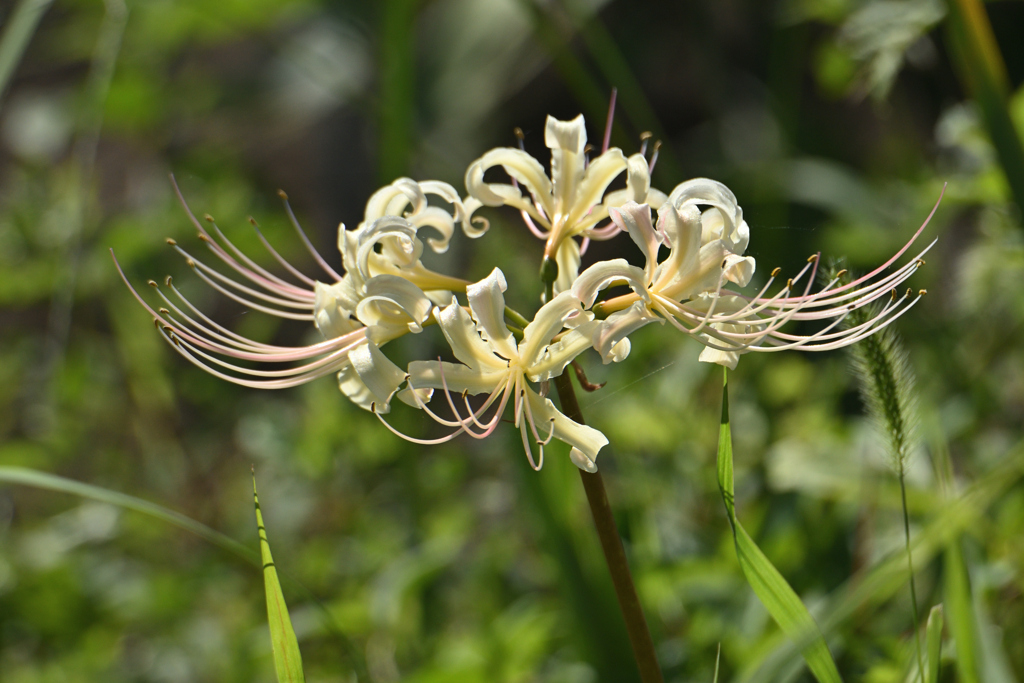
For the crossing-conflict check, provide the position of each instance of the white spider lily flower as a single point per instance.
(230, 356)
(687, 288)
(492, 362)
(573, 201)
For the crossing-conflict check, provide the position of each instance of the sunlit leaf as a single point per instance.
(287, 658)
(769, 585)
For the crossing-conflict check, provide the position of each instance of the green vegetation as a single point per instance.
(127, 550)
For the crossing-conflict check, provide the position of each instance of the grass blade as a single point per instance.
(287, 658)
(768, 584)
(43, 480)
(961, 613)
(21, 26)
(933, 639)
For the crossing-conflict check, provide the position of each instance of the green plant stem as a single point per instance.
(910, 567)
(983, 71)
(614, 553)
(397, 80)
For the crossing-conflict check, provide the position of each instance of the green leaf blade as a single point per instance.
(933, 638)
(287, 658)
(768, 584)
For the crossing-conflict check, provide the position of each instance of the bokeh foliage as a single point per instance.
(835, 122)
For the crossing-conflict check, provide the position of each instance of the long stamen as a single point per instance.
(305, 240)
(607, 140)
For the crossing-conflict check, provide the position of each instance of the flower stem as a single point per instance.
(614, 553)
(910, 565)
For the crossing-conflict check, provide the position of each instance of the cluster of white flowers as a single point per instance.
(386, 292)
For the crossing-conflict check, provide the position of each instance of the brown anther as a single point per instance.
(208, 218)
(789, 283)
(657, 146)
(724, 262)
(841, 273)
(373, 406)
(588, 148)
(518, 132)
(191, 263)
(168, 281)
(893, 294)
(203, 238)
(646, 135)
(282, 194)
(920, 262)
(252, 221)
(163, 311)
(812, 258)
(909, 292)
(171, 242)
(157, 324)
(152, 283)
(922, 292)
(776, 272)
(465, 393)
(850, 307)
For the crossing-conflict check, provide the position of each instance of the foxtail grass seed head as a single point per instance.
(692, 241)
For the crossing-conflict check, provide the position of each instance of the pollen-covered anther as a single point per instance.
(776, 272)
(646, 135)
(152, 283)
(922, 292)
(518, 132)
(894, 294)
(588, 148)
(920, 262)
(167, 280)
(208, 218)
(841, 273)
(191, 264)
(171, 242)
(282, 194)
(909, 292)
(812, 258)
(203, 238)
(163, 311)
(789, 283)
(252, 222)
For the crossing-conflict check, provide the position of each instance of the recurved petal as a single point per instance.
(636, 220)
(707, 192)
(557, 355)
(371, 379)
(548, 322)
(519, 165)
(433, 374)
(681, 230)
(487, 302)
(333, 308)
(602, 274)
(568, 135)
(464, 338)
(598, 175)
(617, 327)
(587, 440)
(389, 299)
(398, 240)
(568, 259)
(739, 269)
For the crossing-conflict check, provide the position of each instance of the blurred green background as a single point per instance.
(835, 122)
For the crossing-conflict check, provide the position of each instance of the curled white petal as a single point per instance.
(333, 308)
(466, 343)
(487, 302)
(617, 327)
(587, 440)
(605, 273)
(371, 379)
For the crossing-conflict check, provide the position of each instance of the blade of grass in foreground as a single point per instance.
(933, 638)
(768, 584)
(51, 482)
(21, 26)
(287, 658)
